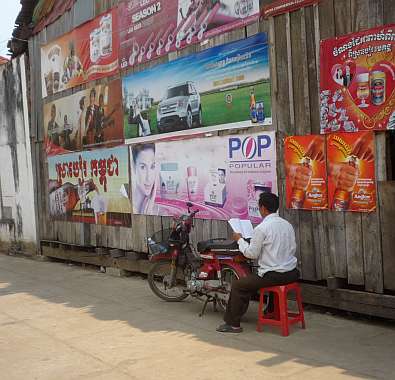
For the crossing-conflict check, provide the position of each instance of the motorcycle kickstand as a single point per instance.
(208, 299)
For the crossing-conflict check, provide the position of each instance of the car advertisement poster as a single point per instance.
(153, 28)
(223, 87)
(358, 81)
(90, 187)
(86, 119)
(351, 163)
(87, 53)
(305, 165)
(223, 178)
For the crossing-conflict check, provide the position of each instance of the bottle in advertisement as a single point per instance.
(260, 111)
(377, 87)
(253, 113)
(298, 195)
(342, 198)
(192, 183)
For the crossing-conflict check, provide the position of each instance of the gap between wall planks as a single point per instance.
(328, 243)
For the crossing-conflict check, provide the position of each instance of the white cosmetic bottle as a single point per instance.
(192, 183)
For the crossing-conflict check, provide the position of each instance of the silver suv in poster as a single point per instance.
(180, 107)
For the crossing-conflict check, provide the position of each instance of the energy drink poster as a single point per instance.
(86, 119)
(153, 28)
(351, 169)
(358, 81)
(306, 175)
(87, 53)
(221, 176)
(90, 187)
(222, 87)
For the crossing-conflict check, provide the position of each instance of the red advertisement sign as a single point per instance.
(87, 53)
(284, 6)
(152, 28)
(351, 180)
(358, 81)
(305, 164)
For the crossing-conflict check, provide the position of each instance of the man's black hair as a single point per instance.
(269, 201)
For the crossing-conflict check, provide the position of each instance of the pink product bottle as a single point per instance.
(192, 183)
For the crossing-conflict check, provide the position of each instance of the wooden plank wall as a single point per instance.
(351, 246)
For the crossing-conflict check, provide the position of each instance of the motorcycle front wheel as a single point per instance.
(160, 282)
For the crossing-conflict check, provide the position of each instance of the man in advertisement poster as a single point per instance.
(91, 118)
(53, 127)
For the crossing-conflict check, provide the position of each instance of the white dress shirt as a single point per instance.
(272, 244)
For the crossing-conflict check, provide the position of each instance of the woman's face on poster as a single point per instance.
(145, 171)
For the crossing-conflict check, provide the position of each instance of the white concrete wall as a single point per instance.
(16, 176)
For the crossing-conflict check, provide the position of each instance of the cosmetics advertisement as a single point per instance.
(153, 28)
(358, 81)
(90, 187)
(221, 176)
(351, 169)
(222, 87)
(87, 119)
(305, 166)
(87, 53)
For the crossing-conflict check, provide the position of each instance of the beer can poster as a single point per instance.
(305, 164)
(90, 187)
(222, 87)
(351, 169)
(87, 53)
(358, 81)
(223, 178)
(153, 28)
(85, 119)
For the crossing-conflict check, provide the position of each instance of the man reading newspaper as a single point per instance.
(273, 246)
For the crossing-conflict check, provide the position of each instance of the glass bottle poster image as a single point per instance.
(222, 176)
(153, 28)
(226, 85)
(351, 171)
(90, 187)
(358, 81)
(305, 166)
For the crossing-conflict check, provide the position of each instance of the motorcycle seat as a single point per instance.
(217, 245)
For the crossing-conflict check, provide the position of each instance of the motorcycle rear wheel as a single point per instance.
(160, 275)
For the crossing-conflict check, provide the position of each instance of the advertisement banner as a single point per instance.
(305, 165)
(90, 187)
(153, 28)
(283, 6)
(351, 167)
(225, 85)
(87, 53)
(86, 119)
(358, 81)
(221, 176)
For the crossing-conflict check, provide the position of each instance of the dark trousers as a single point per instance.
(245, 287)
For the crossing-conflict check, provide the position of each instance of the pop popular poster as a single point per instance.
(227, 85)
(305, 164)
(90, 187)
(87, 53)
(222, 176)
(358, 81)
(153, 28)
(351, 169)
(86, 119)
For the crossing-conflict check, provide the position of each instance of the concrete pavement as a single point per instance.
(64, 322)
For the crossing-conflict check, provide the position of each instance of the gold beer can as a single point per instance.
(377, 87)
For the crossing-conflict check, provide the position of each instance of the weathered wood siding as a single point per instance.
(355, 247)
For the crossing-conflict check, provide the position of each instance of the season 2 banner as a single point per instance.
(90, 187)
(223, 178)
(305, 164)
(358, 81)
(87, 53)
(222, 87)
(153, 28)
(351, 167)
(86, 119)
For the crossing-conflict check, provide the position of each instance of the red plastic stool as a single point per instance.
(280, 316)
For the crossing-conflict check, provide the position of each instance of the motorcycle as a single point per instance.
(179, 271)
